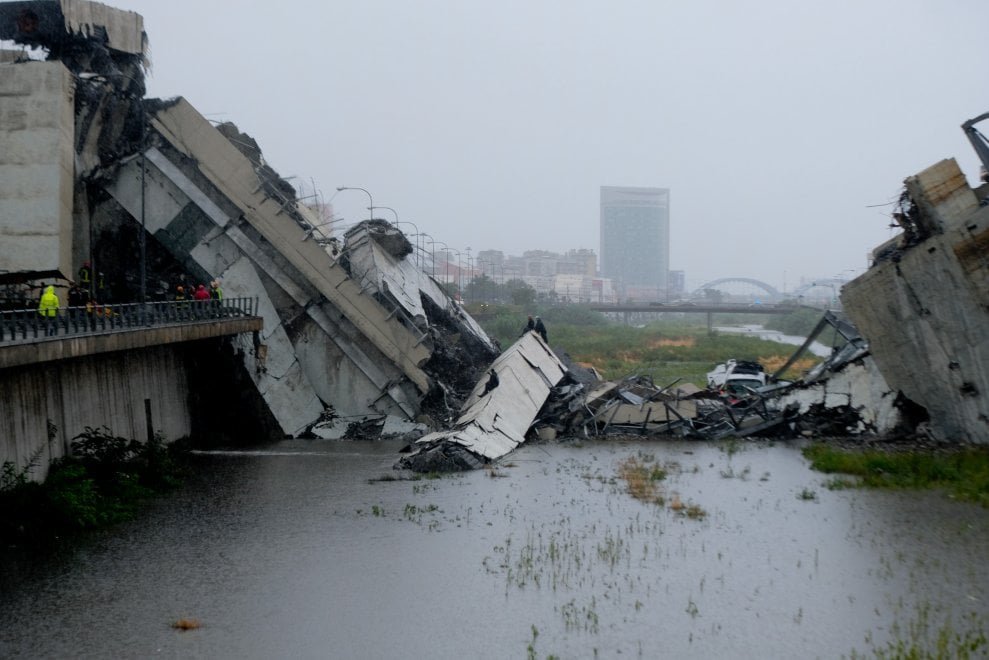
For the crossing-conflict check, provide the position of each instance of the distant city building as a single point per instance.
(572, 288)
(490, 260)
(570, 275)
(540, 263)
(602, 291)
(678, 284)
(579, 262)
(491, 263)
(635, 241)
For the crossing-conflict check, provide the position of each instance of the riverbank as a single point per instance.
(754, 330)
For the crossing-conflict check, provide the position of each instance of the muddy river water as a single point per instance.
(299, 550)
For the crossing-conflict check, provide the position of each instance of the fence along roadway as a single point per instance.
(78, 331)
(27, 325)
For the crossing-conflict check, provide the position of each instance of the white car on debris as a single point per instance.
(737, 377)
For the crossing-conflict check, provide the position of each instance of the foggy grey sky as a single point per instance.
(493, 124)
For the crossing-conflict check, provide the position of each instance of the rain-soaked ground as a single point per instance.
(297, 551)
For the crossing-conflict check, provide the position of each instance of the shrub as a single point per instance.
(105, 481)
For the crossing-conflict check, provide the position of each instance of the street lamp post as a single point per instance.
(459, 269)
(365, 191)
(446, 247)
(144, 226)
(469, 271)
(415, 235)
(422, 263)
(387, 208)
(483, 265)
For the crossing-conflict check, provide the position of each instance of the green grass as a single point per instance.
(665, 350)
(963, 473)
(923, 637)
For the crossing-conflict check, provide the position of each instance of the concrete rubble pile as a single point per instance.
(355, 336)
(633, 405)
(842, 396)
(536, 395)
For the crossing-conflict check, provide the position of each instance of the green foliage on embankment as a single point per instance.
(964, 473)
(106, 480)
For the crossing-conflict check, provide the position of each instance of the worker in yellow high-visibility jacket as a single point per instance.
(48, 309)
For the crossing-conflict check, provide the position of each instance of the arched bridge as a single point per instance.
(772, 294)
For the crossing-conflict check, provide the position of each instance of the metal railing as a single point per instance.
(29, 324)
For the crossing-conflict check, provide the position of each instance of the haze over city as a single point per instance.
(780, 128)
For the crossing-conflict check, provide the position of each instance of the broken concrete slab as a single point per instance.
(858, 386)
(48, 22)
(923, 306)
(37, 151)
(333, 427)
(376, 254)
(234, 176)
(493, 424)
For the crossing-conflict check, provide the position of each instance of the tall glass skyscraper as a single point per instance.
(635, 241)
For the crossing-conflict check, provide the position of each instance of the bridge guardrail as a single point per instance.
(27, 324)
